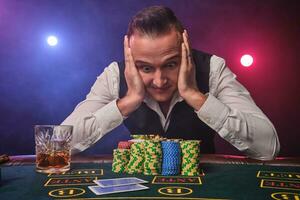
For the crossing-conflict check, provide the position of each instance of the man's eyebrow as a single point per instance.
(173, 57)
(141, 62)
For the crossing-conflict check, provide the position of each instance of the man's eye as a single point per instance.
(171, 65)
(146, 69)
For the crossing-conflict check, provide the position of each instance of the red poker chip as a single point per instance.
(124, 144)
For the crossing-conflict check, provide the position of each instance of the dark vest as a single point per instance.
(184, 122)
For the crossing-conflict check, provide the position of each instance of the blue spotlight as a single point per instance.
(52, 40)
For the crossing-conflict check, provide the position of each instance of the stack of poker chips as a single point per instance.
(190, 157)
(136, 162)
(153, 157)
(171, 158)
(121, 157)
(120, 160)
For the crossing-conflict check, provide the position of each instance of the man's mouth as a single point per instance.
(161, 90)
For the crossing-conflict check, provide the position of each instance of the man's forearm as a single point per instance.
(89, 127)
(128, 104)
(250, 132)
(195, 99)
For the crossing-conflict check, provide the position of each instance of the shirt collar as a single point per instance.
(150, 102)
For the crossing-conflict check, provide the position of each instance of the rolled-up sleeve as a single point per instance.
(98, 113)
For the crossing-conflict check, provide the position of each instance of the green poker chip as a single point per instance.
(190, 152)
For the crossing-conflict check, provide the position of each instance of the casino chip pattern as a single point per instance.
(190, 157)
(152, 155)
(171, 158)
(120, 160)
(136, 162)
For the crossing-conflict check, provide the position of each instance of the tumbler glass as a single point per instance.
(52, 148)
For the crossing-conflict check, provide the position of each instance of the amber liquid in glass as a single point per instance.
(54, 162)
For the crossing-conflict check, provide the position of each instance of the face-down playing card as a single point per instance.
(119, 181)
(116, 189)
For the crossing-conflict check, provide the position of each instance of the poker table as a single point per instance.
(222, 177)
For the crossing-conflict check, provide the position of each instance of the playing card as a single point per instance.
(109, 190)
(119, 181)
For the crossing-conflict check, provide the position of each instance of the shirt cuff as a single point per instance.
(213, 113)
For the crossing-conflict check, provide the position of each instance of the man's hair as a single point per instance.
(154, 21)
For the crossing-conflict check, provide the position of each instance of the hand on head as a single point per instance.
(136, 89)
(134, 81)
(187, 74)
(187, 84)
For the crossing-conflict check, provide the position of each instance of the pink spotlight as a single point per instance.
(246, 60)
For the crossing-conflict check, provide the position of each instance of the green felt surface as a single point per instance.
(219, 182)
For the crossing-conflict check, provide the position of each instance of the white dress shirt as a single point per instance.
(229, 110)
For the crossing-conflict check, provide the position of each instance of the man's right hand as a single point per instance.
(136, 89)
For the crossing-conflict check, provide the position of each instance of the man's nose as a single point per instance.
(159, 79)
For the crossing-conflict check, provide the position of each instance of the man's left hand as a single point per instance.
(187, 84)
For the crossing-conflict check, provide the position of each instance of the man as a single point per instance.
(165, 87)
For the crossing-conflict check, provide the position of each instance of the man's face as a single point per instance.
(157, 60)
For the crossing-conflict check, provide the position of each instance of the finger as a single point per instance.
(187, 39)
(127, 53)
(126, 50)
(183, 58)
(186, 43)
(130, 58)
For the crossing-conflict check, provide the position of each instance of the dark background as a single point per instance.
(42, 85)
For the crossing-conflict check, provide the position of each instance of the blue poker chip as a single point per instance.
(171, 162)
